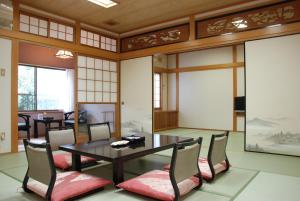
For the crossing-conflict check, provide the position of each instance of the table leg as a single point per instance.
(47, 126)
(60, 124)
(118, 172)
(76, 162)
(35, 130)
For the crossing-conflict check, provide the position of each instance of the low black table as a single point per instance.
(47, 123)
(101, 150)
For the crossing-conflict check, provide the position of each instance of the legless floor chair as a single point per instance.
(216, 161)
(63, 160)
(170, 185)
(99, 131)
(41, 177)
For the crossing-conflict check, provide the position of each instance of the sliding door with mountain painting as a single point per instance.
(273, 95)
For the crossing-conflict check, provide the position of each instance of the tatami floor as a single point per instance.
(252, 177)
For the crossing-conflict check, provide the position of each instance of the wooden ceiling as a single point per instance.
(128, 14)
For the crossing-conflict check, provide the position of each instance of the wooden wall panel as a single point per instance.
(164, 120)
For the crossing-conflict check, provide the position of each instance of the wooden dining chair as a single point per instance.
(184, 175)
(41, 177)
(60, 136)
(216, 161)
(99, 131)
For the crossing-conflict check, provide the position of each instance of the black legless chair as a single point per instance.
(216, 161)
(41, 177)
(25, 125)
(184, 175)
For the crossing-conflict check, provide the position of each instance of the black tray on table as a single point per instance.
(134, 138)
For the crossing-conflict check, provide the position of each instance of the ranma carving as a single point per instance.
(162, 37)
(277, 14)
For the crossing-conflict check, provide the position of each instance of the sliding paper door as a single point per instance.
(273, 95)
(136, 95)
(5, 99)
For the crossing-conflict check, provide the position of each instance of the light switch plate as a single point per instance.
(2, 72)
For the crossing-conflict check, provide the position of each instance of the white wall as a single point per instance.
(5, 93)
(205, 99)
(136, 95)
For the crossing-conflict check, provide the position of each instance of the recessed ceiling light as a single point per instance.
(104, 3)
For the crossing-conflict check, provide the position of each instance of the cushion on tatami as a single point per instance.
(64, 160)
(230, 182)
(69, 185)
(157, 184)
(268, 186)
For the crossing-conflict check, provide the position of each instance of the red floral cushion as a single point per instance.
(157, 184)
(69, 185)
(204, 168)
(64, 160)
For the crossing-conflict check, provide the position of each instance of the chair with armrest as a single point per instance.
(63, 160)
(41, 177)
(25, 125)
(184, 175)
(69, 118)
(216, 161)
(99, 131)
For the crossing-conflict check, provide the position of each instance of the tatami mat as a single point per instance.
(230, 183)
(271, 187)
(17, 173)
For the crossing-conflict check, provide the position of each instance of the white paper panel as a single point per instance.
(34, 30)
(106, 97)
(82, 73)
(98, 86)
(106, 76)
(113, 66)
(113, 97)
(90, 74)
(90, 62)
(81, 85)
(98, 75)
(272, 95)
(24, 18)
(206, 57)
(113, 77)
(106, 86)
(136, 112)
(172, 91)
(98, 64)
(81, 61)
(98, 96)
(53, 34)
(105, 65)
(24, 27)
(205, 99)
(240, 123)
(90, 85)
(113, 86)
(90, 96)
(81, 96)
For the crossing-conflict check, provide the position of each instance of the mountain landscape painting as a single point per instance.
(273, 135)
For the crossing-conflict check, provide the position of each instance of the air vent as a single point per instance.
(111, 22)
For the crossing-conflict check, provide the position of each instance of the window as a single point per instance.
(157, 91)
(42, 88)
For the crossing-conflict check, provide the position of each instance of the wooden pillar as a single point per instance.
(234, 70)
(192, 28)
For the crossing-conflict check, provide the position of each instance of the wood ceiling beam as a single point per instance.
(217, 41)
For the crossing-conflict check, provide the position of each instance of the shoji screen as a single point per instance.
(5, 93)
(136, 95)
(273, 95)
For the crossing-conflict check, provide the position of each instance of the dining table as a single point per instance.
(103, 150)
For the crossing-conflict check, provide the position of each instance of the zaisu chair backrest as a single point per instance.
(99, 131)
(217, 149)
(59, 136)
(184, 163)
(40, 165)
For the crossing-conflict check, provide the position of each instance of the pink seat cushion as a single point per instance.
(204, 168)
(69, 185)
(64, 160)
(157, 184)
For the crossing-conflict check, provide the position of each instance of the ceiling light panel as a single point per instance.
(104, 3)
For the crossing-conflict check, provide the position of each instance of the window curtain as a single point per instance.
(69, 103)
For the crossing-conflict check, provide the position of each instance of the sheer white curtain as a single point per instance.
(69, 101)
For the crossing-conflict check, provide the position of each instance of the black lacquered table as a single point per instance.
(47, 123)
(102, 150)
